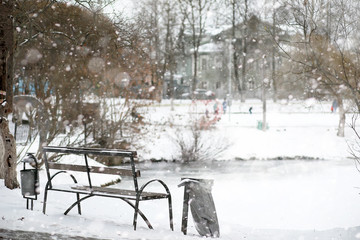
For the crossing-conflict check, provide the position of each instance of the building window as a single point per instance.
(218, 85)
(203, 64)
(251, 84)
(218, 62)
(203, 85)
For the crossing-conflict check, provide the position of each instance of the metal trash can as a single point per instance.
(260, 125)
(30, 187)
(29, 180)
(197, 193)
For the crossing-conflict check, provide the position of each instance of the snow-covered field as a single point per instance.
(256, 198)
(295, 129)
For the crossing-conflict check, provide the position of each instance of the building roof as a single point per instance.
(211, 47)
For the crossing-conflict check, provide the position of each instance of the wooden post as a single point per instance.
(185, 213)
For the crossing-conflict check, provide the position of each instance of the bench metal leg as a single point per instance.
(78, 200)
(136, 212)
(140, 213)
(125, 200)
(45, 198)
(77, 203)
(48, 186)
(170, 214)
(168, 197)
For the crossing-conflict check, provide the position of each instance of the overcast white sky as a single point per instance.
(128, 7)
(124, 6)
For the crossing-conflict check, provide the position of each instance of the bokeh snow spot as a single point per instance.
(96, 65)
(33, 56)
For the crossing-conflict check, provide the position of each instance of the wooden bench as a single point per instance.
(131, 197)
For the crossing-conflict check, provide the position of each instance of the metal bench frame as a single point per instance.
(137, 195)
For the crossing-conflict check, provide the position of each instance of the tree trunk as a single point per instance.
(194, 81)
(7, 145)
(264, 88)
(8, 162)
(2, 151)
(243, 73)
(264, 108)
(273, 63)
(172, 92)
(235, 56)
(341, 128)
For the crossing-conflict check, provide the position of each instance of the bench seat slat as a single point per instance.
(104, 170)
(95, 151)
(125, 192)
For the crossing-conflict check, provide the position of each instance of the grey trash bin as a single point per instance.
(30, 180)
(197, 193)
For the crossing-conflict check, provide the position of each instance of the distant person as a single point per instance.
(250, 110)
(207, 113)
(136, 116)
(224, 104)
(216, 108)
(334, 106)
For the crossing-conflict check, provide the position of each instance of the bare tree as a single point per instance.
(7, 141)
(244, 52)
(95, 7)
(277, 22)
(239, 13)
(164, 26)
(195, 12)
(320, 54)
(169, 45)
(174, 24)
(234, 6)
(149, 18)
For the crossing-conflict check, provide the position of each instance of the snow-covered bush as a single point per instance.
(197, 144)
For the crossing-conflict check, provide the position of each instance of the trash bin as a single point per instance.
(197, 193)
(30, 180)
(260, 125)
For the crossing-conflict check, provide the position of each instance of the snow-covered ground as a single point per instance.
(256, 198)
(295, 129)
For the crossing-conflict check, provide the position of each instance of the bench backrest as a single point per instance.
(91, 169)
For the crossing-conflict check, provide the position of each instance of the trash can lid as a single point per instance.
(29, 158)
(185, 181)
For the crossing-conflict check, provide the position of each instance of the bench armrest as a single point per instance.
(48, 183)
(151, 181)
